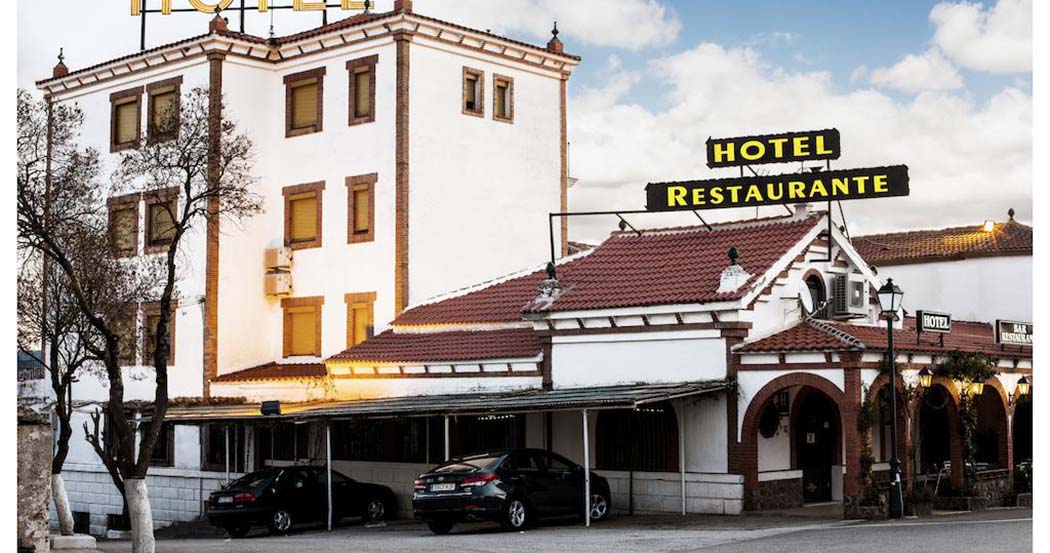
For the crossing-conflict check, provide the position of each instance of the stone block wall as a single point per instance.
(776, 494)
(661, 492)
(34, 479)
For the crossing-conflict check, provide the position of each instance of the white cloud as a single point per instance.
(630, 24)
(996, 40)
(915, 73)
(968, 161)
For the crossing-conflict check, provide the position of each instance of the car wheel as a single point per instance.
(375, 510)
(515, 514)
(440, 526)
(237, 531)
(280, 521)
(600, 506)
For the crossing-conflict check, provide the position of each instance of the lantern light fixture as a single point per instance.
(976, 388)
(890, 296)
(925, 378)
(1024, 387)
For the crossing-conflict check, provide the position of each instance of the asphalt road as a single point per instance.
(997, 530)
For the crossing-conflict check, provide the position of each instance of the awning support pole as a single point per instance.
(447, 452)
(586, 472)
(226, 436)
(328, 467)
(681, 448)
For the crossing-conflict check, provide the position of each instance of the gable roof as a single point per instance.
(442, 347)
(816, 335)
(274, 371)
(659, 267)
(898, 248)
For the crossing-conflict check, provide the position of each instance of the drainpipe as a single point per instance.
(586, 472)
(446, 439)
(328, 467)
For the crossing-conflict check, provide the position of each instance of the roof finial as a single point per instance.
(217, 23)
(554, 31)
(733, 255)
(1011, 213)
(60, 69)
(555, 45)
(62, 59)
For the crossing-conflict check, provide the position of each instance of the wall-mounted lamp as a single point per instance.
(976, 389)
(925, 379)
(1024, 387)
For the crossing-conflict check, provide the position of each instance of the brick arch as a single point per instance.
(954, 437)
(1004, 434)
(747, 451)
(904, 423)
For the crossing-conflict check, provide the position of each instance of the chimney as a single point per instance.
(802, 211)
(403, 6)
(217, 24)
(734, 276)
(60, 69)
(554, 44)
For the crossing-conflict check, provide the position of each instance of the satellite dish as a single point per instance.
(807, 301)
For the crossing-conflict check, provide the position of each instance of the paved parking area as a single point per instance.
(1009, 530)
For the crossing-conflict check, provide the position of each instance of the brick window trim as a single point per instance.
(153, 308)
(295, 192)
(317, 302)
(352, 66)
(115, 99)
(480, 75)
(353, 184)
(168, 195)
(118, 203)
(358, 297)
(497, 78)
(289, 82)
(152, 135)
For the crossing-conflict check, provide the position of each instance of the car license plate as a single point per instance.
(442, 487)
(226, 499)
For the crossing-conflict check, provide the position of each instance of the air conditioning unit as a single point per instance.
(278, 284)
(849, 296)
(278, 258)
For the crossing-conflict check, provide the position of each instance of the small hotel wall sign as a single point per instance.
(1015, 333)
(773, 148)
(933, 321)
(804, 187)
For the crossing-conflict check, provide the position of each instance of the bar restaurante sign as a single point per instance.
(1015, 333)
(813, 186)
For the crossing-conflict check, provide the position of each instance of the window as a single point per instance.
(124, 225)
(503, 98)
(359, 317)
(362, 89)
(383, 440)
(473, 92)
(213, 447)
(161, 207)
(304, 100)
(125, 325)
(643, 439)
(302, 326)
(302, 215)
(125, 119)
(284, 441)
(151, 314)
(163, 454)
(487, 433)
(162, 119)
(361, 208)
(817, 295)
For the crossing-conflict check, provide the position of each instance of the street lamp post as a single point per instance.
(890, 302)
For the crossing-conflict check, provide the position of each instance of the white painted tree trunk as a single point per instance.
(142, 540)
(65, 513)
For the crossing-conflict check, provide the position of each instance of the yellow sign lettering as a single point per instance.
(753, 193)
(821, 150)
(211, 6)
(881, 186)
(203, 6)
(752, 150)
(778, 146)
(698, 196)
(817, 187)
(676, 195)
(774, 196)
(716, 195)
(801, 144)
(733, 191)
(862, 181)
(724, 152)
(796, 190)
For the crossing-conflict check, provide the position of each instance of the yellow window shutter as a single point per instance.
(164, 114)
(304, 219)
(127, 121)
(304, 331)
(361, 321)
(124, 230)
(363, 87)
(361, 199)
(304, 104)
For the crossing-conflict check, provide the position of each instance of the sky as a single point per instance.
(943, 87)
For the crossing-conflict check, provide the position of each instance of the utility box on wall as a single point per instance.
(278, 258)
(278, 284)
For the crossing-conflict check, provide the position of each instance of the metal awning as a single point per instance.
(625, 396)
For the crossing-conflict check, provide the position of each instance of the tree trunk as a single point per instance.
(142, 540)
(65, 514)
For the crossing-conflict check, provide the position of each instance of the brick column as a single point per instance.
(850, 410)
(211, 264)
(402, 39)
(564, 146)
(740, 458)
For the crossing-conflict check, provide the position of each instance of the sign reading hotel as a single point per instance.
(934, 321)
(1014, 333)
(814, 186)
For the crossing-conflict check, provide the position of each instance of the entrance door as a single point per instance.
(816, 443)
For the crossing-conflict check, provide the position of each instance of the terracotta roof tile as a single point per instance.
(660, 267)
(439, 347)
(275, 371)
(1009, 238)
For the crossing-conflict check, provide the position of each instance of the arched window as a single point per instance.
(817, 294)
(644, 439)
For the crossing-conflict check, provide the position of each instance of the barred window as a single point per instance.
(644, 439)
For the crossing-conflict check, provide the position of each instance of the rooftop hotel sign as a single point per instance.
(825, 185)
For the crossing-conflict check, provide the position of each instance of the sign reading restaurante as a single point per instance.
(848, 184)
(1013, 333)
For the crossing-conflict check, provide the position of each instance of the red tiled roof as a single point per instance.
(823, 335)
(437, 347)
(1009, 238)
(275, 371)
(660, 267)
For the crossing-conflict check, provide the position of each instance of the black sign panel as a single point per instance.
(773, 148)
(933, 321)
(849, 184)
(1016, 333)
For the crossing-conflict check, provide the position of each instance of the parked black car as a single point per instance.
(514, 488)
(282, 497)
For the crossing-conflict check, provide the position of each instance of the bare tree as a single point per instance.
(193, 179)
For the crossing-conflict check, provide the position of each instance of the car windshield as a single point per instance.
(253, 480)
(470, 464)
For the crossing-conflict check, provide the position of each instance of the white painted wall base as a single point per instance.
(661, 492)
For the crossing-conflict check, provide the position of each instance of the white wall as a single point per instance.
(606, 359)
